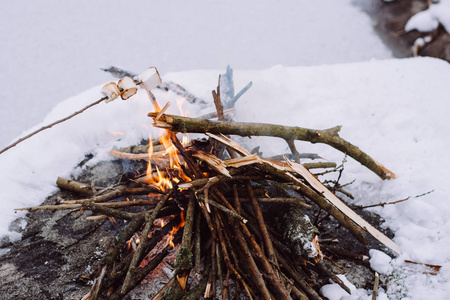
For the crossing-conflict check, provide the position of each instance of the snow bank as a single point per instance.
(395, 110)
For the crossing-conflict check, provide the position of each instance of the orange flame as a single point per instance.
(175, 230)
(161, 179)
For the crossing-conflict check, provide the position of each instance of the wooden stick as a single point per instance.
(219, 224)
(117, 192)
(320, 188)
(278, 200)
(90, 204)
(75, 186)
(382, 204)
(138, 156)
(295, 153)
(300, 281)
(149, 218)
(320, 165)
(344, 253)
(97, 285)
(327, 272)
(141, 274)
(329, 136)
(212, 160)
(323, 203)
(270, 271)
(218, 103)
(261, 224)
(258, 253)
(375, 286)
(52, 124)
(197, 244)
(213, 275)
(111, 212)
(51, 207)
(184, 260)
(256, 275)
(227, 211)
(122, 238)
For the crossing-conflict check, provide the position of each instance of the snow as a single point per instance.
(334, 292)
(429, 19)
(304, 73)
(380, 261)
(52, 49)
(379, 103)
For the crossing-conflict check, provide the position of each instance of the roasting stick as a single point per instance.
(51, 125)
(125, 88)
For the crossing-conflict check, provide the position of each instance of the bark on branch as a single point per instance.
(328, 136)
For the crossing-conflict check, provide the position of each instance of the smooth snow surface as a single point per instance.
(51, 49)
(395, 110)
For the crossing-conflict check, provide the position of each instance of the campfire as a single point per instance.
(238, 223)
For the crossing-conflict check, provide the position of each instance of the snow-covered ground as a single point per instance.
(51, 50)
(396, 110)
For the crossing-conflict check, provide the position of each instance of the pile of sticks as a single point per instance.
(220, 193)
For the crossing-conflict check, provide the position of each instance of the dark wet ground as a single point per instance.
(389, 21)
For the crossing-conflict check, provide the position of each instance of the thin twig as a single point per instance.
(375, 286)
(392, 202)
(227, 211)
(52, 124)
(262, 226)
(149, 218)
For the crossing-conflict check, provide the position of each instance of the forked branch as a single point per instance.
(329, 136)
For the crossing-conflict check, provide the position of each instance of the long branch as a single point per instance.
(329, 136)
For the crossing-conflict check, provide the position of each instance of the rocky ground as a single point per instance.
(390, 19)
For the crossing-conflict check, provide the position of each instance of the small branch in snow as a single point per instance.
(392, 202)
(375, 286)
